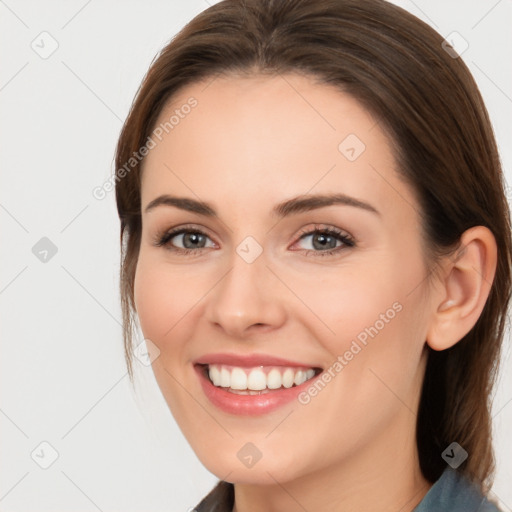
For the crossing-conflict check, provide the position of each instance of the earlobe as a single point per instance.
(468, 279)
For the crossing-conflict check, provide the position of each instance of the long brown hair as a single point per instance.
(429, 105)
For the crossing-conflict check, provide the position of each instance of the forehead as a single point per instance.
(271, 137)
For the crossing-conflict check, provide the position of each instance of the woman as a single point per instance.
(316, 243)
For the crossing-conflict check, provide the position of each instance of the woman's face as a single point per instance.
(265, 297)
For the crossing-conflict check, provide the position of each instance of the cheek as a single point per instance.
(372, 318)
(161, 299)
(164, 301)
(346, 304)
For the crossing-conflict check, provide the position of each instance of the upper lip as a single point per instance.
(249, 360)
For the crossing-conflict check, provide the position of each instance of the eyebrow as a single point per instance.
(285, 209)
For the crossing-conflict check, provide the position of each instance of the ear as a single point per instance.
(466, 285)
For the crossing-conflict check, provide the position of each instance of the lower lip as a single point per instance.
(248, 405)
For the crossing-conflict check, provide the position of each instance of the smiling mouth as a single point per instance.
(257, 380)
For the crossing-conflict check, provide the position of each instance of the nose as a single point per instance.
(248, 299)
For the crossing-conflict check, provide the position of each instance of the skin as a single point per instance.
(250, 143)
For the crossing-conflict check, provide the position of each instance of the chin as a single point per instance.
(254, 476)
(275, 469)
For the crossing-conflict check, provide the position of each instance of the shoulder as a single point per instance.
(454, 492)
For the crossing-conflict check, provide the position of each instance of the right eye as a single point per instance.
(188, 239)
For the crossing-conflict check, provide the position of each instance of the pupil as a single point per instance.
(194, 237)
(323, 240)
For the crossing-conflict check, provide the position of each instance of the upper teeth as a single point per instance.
(259, 378)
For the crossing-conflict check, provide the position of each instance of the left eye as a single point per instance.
(190, 239)
(327, 240)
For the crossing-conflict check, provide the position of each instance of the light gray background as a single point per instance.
(63, 378)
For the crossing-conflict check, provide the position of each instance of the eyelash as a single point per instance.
(163, 239)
